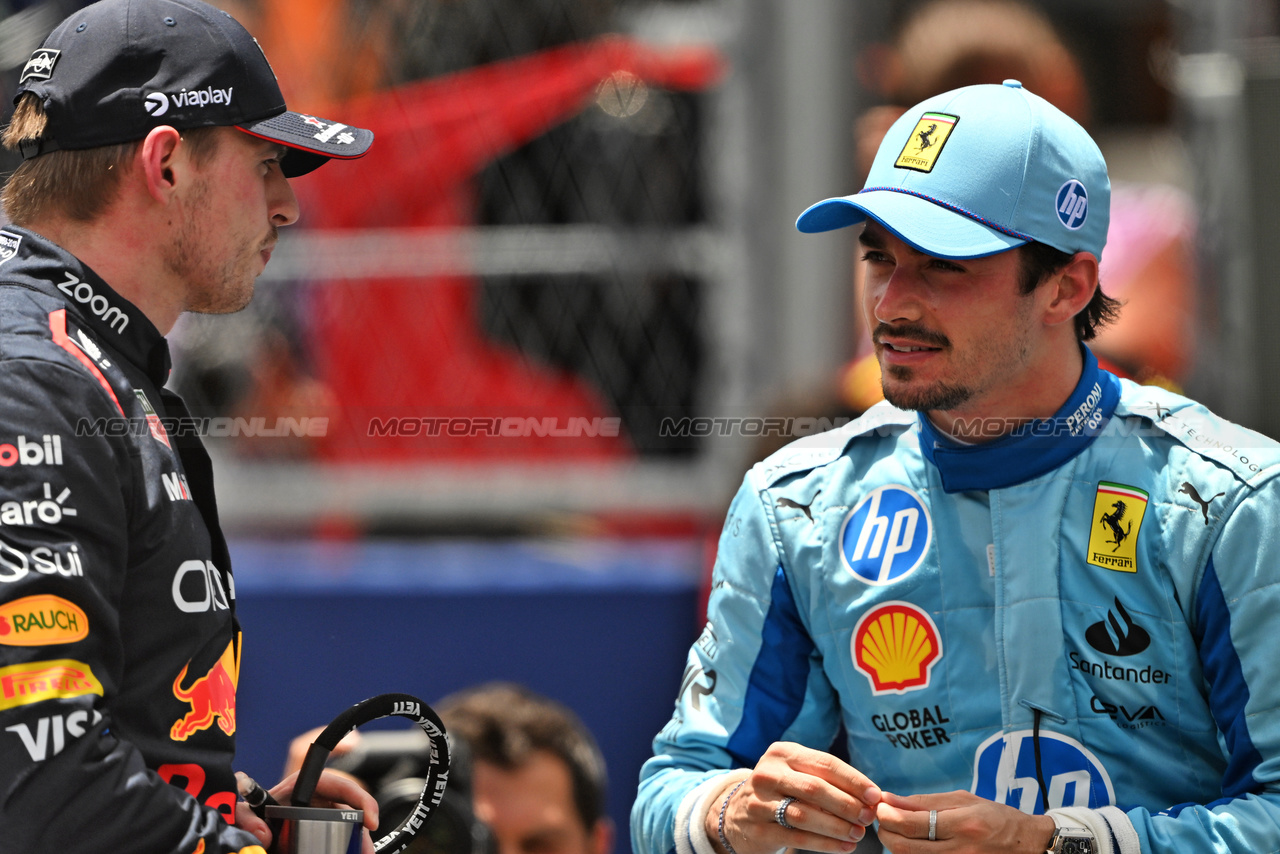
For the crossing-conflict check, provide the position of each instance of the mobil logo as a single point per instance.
(886, 536)
(1004, 771)
(44, 451)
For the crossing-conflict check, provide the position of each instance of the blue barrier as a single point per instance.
(600, 625)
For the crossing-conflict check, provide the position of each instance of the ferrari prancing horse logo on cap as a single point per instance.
(926, 141)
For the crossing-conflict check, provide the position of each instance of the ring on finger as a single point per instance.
(780, 814)
(933, 825)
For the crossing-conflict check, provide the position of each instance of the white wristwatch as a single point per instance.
(1071, 840)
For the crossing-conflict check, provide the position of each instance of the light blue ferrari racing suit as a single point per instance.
(1084, 612)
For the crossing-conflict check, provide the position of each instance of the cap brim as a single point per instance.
(312, 141)
(925, 225)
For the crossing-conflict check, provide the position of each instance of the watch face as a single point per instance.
(1073, 842)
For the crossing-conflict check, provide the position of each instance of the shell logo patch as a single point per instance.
(1117, 515)
(896, 645)
(926, 141)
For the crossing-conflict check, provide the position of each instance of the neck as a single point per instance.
(121, 247)
(1000, 411)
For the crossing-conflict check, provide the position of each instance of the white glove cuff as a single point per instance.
(691, 827)
(1122, 829)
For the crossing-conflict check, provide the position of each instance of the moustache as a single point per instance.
(912, 331)
(272, 239)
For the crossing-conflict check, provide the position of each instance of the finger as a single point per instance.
(246, 819)
(837, 772)
(334, 787)
(911, 824)
(820, 780)
(808, 818)
(818, 794)
(933, 801)
(340, 787)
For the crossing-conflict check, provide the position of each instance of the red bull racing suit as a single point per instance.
(119, 647)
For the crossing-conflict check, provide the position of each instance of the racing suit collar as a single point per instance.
(91, 301)
(1034, 448)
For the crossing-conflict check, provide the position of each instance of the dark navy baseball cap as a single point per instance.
(116, 69)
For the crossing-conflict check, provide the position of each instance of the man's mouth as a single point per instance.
(907, 348)
(909, 339)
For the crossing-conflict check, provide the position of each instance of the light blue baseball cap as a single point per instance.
(980, 170)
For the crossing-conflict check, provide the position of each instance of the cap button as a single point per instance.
(1013, 84)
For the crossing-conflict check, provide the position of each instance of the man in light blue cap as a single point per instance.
(1038, 600)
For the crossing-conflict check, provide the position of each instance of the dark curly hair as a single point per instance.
(1039, 261)
(504, 724)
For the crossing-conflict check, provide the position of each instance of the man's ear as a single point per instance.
(1071, 288)
(159, 159)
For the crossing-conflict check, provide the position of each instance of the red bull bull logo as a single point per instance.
(211, 696)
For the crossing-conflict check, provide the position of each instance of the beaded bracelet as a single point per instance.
(724, 840)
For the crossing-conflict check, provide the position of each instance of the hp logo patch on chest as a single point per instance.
(886, 536)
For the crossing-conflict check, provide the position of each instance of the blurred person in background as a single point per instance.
(538, 779)
(157, 156)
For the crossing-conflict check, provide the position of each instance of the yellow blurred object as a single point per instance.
(860, 385)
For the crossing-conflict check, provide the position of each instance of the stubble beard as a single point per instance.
(214, 285)
(939, 396)
(895, 380)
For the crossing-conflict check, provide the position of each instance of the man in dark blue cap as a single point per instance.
(157, 151)
(1039, 600)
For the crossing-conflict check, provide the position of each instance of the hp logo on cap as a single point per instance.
(1073, 204)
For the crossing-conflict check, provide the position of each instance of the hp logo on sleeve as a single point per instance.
(886, 536)
(1073, 204)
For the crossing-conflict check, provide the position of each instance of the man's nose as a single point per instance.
(283, 203)
(898, 298)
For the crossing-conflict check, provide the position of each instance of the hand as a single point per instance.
(299, 746)
(832, 804)
(966, 823)
(334, 789)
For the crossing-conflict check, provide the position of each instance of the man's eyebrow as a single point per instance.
(871, 239)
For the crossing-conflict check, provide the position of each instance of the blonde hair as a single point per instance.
(76, 184)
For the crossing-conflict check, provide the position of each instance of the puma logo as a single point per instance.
(804, 508)
(1189, 490)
